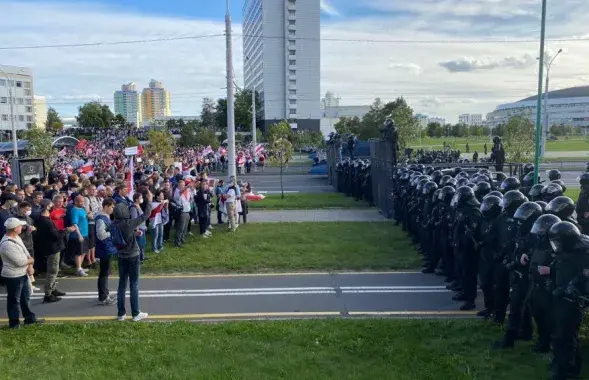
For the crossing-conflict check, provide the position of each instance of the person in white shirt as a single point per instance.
(230, 198)
(18, 266)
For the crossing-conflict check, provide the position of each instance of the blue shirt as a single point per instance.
(79, 217)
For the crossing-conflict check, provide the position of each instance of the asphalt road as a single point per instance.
(293, 183)
(402, 294)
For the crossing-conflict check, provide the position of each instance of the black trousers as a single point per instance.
(567, 356)
(203, 223)
(501, 291)
(520, 313)
(103, 278)
(486, 272)
(542, 313)
(469, 274)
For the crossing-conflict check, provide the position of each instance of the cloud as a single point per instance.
(328, 8)
(353, 65)
(407, 66)
(465, 65)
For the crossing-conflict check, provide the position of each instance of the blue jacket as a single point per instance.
(119, 199)
(104, 248)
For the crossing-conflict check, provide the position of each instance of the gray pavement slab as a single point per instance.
(368, 215)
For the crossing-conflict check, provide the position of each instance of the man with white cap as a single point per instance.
(18, 266)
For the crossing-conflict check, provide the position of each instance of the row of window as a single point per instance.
(18, 117)
(15, 83)
(5, 100)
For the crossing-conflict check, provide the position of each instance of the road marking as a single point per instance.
(262, 292)
(281, 274)
(262, 315)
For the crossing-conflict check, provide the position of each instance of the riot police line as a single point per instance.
(519, 242)
(354, 179)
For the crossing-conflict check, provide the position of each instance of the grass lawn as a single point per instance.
(306, 349)
(269, 247)
(573, 193)
(306, 201)
(561, 145)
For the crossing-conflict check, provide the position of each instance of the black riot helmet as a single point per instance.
(452, 182)
(420, 185)
(444, 180)
(465, 196)
(511, 201)
(429, 188)
(437, 176)
(491, 207)
(528, 180)
(587, 166)
(405, 176)
(497, 194)
(481, 189)
(461, 182)
(543, 205)
(436, 196)
(429, 170)
(551, 191)
(447, 194)
(526, 215)
(583, 179)
(420, 168)
(509, 184)
(462, 175)
(542, 224)
(413, 167)
(536, 191)
(562, 206)
(559, 182)
(456, 171)
(484, 172)
(553, 174)
(528, 168)
(563, 236)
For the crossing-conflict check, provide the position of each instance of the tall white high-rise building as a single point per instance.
(16, 86)
(470, 119)
(40, 108)
(330, 100)
(281, 50)
(128, 103)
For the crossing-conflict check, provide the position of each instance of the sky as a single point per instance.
(446, 57)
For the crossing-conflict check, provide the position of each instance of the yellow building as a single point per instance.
(156, 101)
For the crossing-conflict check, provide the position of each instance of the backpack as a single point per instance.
(116, 235)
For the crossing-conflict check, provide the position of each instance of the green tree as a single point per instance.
(222, 137)
(221, 114)
(207, 114)
(402, 114)
(119, 122)
(54, 124)
(161, 144)
(347, 125)
(94, 115)
(40, 143)
(242, 111)
(260, 137)
(131, 141)
(434, 130)
(280, 153)
(171, 124)
(519, 139)
(187, 135)
(280, 130)
(206, 137)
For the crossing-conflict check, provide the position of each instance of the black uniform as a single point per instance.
(582, 209)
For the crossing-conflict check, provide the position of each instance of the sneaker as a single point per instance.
(64, 266)
(191, 234)
(58, 293)
(109, 301)
(209, 233)
(122, 318)
(81, 273)
(50, 299)
(35, 289)
(156, 252)
(140, 316)
(205, 236)
(210, 227)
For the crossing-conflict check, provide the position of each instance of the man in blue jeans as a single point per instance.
(129, 263)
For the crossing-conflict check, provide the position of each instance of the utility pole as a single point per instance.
(546, 131)
(232, 170)
(254, 131)
(539, 103)
(12, 125)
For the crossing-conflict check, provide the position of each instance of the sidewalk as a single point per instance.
(281, 216)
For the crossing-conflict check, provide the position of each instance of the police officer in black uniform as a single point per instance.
(427, 223)
(564, 208)
(570, 273)
(520, 315)
(583, 203)
(536, 192)
(506, 232)
(540, 261)
(468, 219)
(486, 243)
(443, 224)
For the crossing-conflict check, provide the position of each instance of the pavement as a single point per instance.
(280, 216)
(259, 296)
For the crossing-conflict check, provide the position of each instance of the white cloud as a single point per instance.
(328, 8)
(357, 70)
(465, 65)
(407, 66)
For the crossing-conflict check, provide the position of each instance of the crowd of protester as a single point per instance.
(97, 205)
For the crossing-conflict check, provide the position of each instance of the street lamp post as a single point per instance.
(232, 170)
(539, 103)
(546, 128)
(12, 125)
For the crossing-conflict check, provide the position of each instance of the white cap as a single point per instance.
(12, 223)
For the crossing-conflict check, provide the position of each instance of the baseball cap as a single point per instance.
(12, 223)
